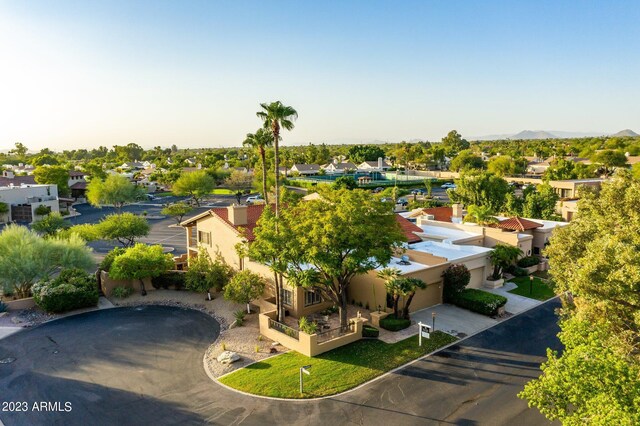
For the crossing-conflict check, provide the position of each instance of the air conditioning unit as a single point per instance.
(430, 217)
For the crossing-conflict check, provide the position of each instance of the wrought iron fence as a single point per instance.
(284, 329)
(324, 336)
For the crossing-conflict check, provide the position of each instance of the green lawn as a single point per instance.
(541, 291)
(223, 191)
(332, 372)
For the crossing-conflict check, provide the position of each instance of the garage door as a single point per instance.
(432, 295)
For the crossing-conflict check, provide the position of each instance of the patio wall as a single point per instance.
(17, 305)
(307, 344)
(108, 284)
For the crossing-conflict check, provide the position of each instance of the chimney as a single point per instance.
(8, 174)
(457, 211)
(380, 163)
(237, 215)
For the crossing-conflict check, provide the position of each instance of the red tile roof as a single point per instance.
(17, 180)
(255, 211)
(441, 214)
(253, 214)
(79, 185)
(517, 224)
(409, 228)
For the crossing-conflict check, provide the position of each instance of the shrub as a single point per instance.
(479, 301)
(517, 271)
(307, 326)
(239, 316)
(3, 306)
(392, 323)
(168, 279)
(72, 289)
(42, 210)
(122, 292)
(528, 261)
(455, 279)
(106, 263)
(370, 331)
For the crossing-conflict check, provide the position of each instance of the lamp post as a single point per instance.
(433, 321)
(530, 285)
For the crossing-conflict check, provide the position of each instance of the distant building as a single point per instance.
(23, 201)
(305, 169)
(374, 166)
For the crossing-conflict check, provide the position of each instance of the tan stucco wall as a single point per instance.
(107, 284)
(20, 304)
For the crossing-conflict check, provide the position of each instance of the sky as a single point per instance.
(80, 74)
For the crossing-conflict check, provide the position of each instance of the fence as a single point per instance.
(324, 336)
(282, 328)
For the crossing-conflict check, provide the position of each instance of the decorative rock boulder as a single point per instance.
(228, 357)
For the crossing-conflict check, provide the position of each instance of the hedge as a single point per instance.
(479, 301)
(370, 331)
(168, 279)
(72, 289)
(528, 261)
(516, 271)
(392, 323)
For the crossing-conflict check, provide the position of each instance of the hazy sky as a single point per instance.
(88, 73)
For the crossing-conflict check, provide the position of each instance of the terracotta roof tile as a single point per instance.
(253, 214)
(517, 224)
(409, 229)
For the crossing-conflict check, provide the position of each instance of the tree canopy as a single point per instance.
(244, 287)
(57, 175)
(481, 189)
(596, 379)
(176, 210)
(360, 153)
(115, 190)
(139, 262)
(194, 184)
(453, 143)
(466, 160)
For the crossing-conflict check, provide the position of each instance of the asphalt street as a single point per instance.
(129, 366)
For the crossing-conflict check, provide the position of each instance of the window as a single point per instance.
(311, 298)
(287, 297)
(204, 238)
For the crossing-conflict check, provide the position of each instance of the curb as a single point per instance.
(302, 400)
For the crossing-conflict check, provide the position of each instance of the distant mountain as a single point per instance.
(534, 134)
(626, 132)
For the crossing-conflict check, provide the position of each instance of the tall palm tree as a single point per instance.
(389, 276)
(260, 140)
(277, 116)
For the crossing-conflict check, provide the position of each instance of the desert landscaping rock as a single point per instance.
(228, 357)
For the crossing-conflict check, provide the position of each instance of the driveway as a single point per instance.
(453, 320)
(126, 366)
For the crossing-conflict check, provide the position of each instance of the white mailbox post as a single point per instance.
(424, 331)
(306, 371)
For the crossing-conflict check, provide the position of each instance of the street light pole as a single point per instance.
(433, 321)
(530, 285)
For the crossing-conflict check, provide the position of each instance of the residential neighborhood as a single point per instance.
(320, 213)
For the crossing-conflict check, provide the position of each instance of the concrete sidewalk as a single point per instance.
(7, 331)
(515, 303)
(453, 320)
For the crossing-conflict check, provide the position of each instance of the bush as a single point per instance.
(370, 331)
(307, 326)
(168, 279)
(392, 323)
(517, 271)
(106, 263)
(3, 306)
(479, 301)
(122, 292)
(239, 316)
(455, 279)
(42, 210)
(528, 261)
(72, 289)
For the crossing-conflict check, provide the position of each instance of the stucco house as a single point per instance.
(337, 168)
(305, 169)
(374, 166)
(23, 201)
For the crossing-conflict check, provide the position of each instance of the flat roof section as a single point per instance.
(446, 234)
(451, 252)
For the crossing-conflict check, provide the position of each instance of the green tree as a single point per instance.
(139, 262)
(481, 215)
(560, 169)
(388, 275)
(596, 378)
(502, 165)
(481, 189)
(176, 210)
(410, 286)
(466, 160)
(4, 209)
(244, 287)
(20, 151)
(194, 184)
(502, 257)
(124, 228)
(238, 181)
(27, 258)
(541, 203)
(115, 190)
(396, 289)
(453, 143)
(50, 225)
(45, 159)
(57, 175)
(277, 116)
(205, 273)
(340, 235)
(609, 159)
(345, 182)
(360, 153)
(635, 171)
(260, 141)
(455, 279)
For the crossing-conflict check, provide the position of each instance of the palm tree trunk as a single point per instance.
(396, 299)
(405, 309)
(264, 176)
(276, 159)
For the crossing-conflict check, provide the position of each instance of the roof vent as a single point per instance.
(404, 260)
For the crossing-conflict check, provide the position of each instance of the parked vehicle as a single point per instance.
(378, 189)
(449, 185)
(402, 202)
(418, 191)
(254, 199)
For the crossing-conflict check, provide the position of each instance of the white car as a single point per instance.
(254, 199)
(449, 185)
